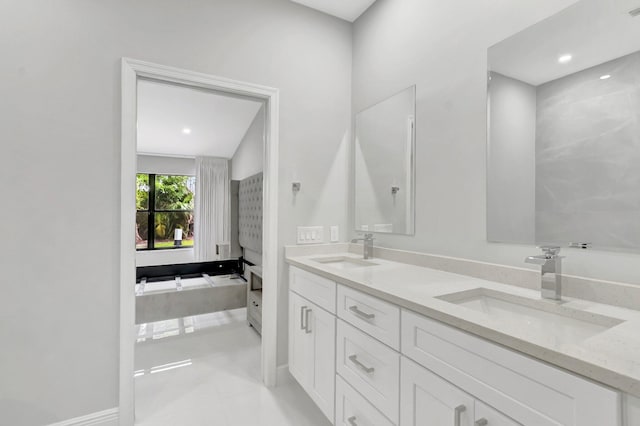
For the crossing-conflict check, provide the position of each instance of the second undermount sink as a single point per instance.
(344, 262)
(537, 317)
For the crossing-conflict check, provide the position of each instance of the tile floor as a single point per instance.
(205, 371)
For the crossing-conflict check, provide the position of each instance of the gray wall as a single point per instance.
(247, 161)
(588, 156)
(442, 47)
(511, 168)
(60, 166)
(249, 156)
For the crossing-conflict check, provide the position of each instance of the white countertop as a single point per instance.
(611, 357)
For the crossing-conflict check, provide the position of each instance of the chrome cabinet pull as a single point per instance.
(302, 326)
(457, 413)
(352, 421)
(307, 326)
(354, 359)
(481, 422)
(358, 312)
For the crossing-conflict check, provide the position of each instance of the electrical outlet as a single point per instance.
(310, 234)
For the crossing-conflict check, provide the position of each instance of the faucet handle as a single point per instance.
(550, 251)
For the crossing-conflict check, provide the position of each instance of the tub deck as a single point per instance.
(182, 297)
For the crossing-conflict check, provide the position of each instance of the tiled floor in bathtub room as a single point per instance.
(205, 371)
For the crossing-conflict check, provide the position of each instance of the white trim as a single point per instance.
(101, 418)
(284, 376)
(132, 70)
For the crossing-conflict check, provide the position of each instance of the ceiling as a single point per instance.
(217, 123)
(591, 31)
(349, 10)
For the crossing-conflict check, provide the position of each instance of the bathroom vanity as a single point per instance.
(380, 342)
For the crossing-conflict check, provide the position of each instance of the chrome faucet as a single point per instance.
(551, 268)
(367, 245)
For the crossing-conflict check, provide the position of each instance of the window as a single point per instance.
(164, 203)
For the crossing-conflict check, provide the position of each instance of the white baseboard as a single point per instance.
(101, 418)
(283, 376)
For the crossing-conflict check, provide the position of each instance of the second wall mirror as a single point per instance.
(564, 130)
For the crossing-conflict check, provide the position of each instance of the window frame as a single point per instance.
(151, 213)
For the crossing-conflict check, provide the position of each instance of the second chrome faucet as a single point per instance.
(367, 245)
(551, 271)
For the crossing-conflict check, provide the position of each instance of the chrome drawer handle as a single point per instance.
(352, 421)
(302, 326)
(457, 413)
(307, 326)
(481, 422)
(358, 312)
(354, 359)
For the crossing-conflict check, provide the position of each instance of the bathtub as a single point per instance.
(183, 297)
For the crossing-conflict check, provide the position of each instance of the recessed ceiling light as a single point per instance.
(604, 77)
(564, 59)
(186, 131)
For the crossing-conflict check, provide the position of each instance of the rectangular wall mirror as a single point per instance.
(564, 130)
(384, 165)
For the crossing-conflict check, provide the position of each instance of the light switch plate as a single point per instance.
(310, 234)
(335, 234)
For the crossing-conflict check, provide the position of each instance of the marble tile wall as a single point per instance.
(588, 156)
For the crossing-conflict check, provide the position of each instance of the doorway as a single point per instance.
(133, 71)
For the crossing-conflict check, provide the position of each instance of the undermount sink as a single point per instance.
(548, 318)
(343, 262)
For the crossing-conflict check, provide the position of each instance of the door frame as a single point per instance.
(132, 70)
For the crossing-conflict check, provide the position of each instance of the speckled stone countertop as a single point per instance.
(611, 357)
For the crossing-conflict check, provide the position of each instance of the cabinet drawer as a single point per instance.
(372, 368)
(352, 409)
(254, 303)
(376, 317)
(314, 288)
(631, 410)
(529, 391)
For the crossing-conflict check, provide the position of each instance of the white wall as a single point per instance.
(442, 47)
(249, 156)
(165, 165)
(59, 165)
(511, 164)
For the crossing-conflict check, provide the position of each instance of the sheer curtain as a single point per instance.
(211, 221)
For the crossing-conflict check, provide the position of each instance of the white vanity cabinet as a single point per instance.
(312, 341)
(379, 364)
(526, 390)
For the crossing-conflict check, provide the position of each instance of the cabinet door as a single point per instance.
(487, 416)
(427, 399)
(300, 355)
(312, 351)
(320, 326)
